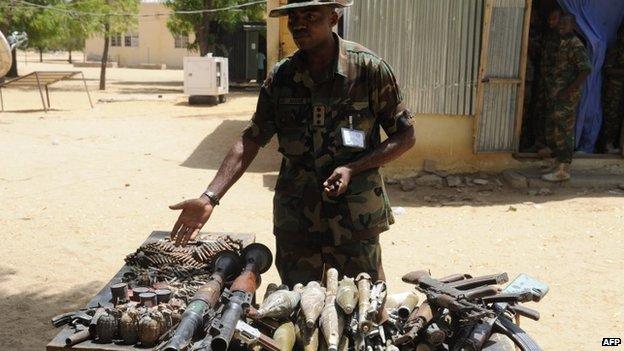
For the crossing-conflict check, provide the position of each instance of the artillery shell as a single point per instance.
(312, 302)
(285, 336)
(280, 304)
(347, 295)
(331, 281)
(307, 338)
(332, 323)
(363, 284)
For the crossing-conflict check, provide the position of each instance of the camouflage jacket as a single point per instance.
(615, 59)
(570, 60)
(548, 46)
(307, 114)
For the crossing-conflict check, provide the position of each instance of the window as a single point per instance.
(180, 41)
(131, 40)
(115, 40)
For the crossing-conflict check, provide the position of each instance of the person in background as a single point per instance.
(547, 49)
(261, 68)
(613, 94)
(570, 69)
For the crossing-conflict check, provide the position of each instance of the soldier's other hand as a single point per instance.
(338, 181)
(195, 214)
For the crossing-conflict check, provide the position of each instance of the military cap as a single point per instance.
(297, 4)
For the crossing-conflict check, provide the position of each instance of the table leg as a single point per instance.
(47, 96)
(86, 89)
(41, 93)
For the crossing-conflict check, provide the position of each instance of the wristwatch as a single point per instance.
(212, 197)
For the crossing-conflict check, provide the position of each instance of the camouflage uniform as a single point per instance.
(307, 115)
(549, 46)
(613, 94)
(570, 60)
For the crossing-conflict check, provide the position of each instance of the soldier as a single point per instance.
(613, 94)
(327, 104)
(548, 46)
(571, 68)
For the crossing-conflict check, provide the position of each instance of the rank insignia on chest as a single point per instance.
(318, 115)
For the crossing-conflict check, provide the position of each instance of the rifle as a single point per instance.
(227, 265)
(238, 298)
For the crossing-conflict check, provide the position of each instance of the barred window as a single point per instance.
(115, 40)
(180, 41)
(131, 40)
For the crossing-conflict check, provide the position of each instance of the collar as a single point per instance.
(340, 62)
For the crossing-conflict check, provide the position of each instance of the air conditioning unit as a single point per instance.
(206, 76)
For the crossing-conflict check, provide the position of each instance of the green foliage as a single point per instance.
(185, 24)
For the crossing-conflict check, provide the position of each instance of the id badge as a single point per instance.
(353, 138)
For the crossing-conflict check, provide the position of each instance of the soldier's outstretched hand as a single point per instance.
(195, 214)
(338, 183)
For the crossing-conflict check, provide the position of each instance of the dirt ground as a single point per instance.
(81, 188)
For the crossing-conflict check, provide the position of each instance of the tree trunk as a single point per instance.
(203, 34)
(70, 58)
(104, 56)
(40, 54)
(13, 70)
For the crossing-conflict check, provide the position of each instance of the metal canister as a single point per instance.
(163, 295)
(119, 292)
(137, 291)
(148, 299)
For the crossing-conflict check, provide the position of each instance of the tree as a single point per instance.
(200, 23)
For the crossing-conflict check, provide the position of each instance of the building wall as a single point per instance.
(447, 139)
(156, 43)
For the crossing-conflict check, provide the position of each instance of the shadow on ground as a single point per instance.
(211, 151)
(481, 196)
(26, 316)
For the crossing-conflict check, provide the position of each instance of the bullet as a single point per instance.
(364, 291)
(312, 302)
(285, 336)
(347, 295)
(279, 304)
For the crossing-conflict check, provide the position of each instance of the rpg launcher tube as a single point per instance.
(364, 292)
(347, 295)
(258, 259)
(78, 337)
(407, 306)
(285, 336)
(312, 302)
(227, 265)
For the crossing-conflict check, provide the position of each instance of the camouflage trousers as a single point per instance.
(297, 263)
(559, 123)
(613, 106)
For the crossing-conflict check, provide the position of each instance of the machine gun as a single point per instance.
(236, 300)
(463, 312)
(227, 266)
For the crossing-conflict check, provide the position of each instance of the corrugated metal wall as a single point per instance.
(497, 121)
(433, 46)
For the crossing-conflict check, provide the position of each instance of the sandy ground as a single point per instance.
(80, 188)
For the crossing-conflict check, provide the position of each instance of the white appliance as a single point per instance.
(206, 76)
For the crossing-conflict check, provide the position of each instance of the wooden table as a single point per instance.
(104, 296)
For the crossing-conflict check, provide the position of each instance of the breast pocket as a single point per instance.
(367, 201)
(292, 132)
